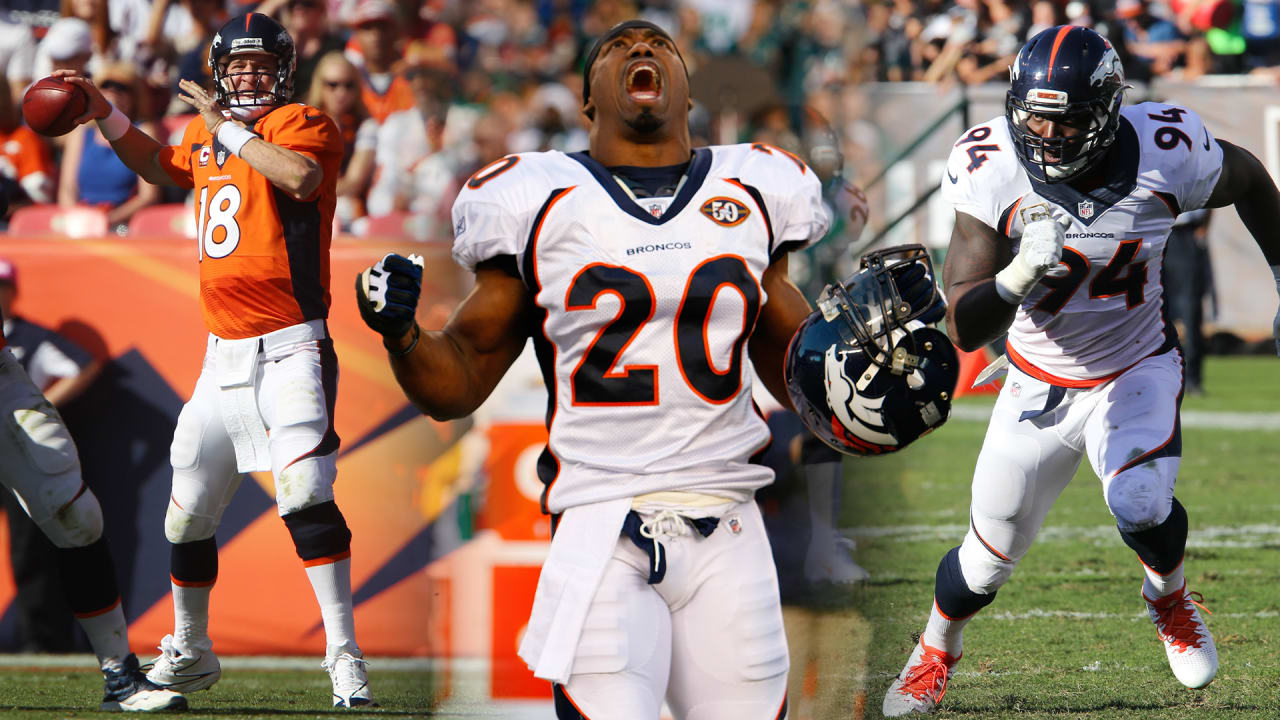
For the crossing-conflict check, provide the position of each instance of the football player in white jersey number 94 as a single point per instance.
(1063, 207)
(649, 274)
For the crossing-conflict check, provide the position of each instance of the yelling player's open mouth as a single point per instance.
(643, 82)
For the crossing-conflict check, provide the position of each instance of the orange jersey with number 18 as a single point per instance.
(264, 254)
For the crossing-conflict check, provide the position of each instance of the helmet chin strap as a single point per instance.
(249, 113)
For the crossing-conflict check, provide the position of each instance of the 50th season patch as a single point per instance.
(725, 211)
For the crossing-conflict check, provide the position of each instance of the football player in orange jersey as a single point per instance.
(264, 173)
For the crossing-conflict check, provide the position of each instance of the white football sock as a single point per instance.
(108, 633)
(1156, 586)
(945, 634)
(332, 585)
(191, 617)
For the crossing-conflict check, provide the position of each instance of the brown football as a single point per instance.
(51, 106)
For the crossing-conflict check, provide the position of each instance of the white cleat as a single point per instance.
(1187, 641)
(350, 679)
(184, 669)
(920, 686)
(128, 690)
(830, 560)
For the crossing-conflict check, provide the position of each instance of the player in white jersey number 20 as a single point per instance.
(649, 274)
(1063, 207)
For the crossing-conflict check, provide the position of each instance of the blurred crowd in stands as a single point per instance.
(427, 91)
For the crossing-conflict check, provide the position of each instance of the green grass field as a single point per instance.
(1068, 636)
(75, 689)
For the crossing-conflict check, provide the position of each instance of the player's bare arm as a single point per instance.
(448, 373)
(976, 314)
(1246, 184)
(136, 149)
(785, 309)
(288, 170)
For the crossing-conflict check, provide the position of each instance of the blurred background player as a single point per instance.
(802, 507)
(63, 371)
(1095, 368)
(41, 468)
(266, 172)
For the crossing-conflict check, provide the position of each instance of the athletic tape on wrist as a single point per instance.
(233, 137)
(115, 125)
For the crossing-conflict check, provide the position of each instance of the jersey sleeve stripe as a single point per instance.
(764, 212)
(1006, 218)
(1170, 201)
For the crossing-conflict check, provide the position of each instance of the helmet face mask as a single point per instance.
(1070, 76)
(252, 34)
(866, 373)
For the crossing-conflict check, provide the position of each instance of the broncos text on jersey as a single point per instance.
(1107, 312)
(264, 255)
(643, 319)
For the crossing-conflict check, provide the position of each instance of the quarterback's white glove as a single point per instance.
(1275, 328)
(387, 294)
(1039, 254)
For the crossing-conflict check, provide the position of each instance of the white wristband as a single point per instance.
(115, 125)
(1016, 281)
(233, 137)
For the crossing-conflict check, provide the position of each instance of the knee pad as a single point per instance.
(46, 447)
(319, 533)
(1140, 498)
(183, 526)
(982, 571)
(75, 524)
(1161, 548)
(952, 593)
(305, 483)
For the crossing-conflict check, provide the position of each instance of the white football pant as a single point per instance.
(708, 638)
(1127, 427)
(290, 393)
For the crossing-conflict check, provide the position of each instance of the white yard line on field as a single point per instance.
(245, 662)
(1243, 536)
(1212, 419)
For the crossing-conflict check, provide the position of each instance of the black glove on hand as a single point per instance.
(387, 294)
(916, 287)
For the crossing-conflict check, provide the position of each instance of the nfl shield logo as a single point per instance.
(655, 210)
(222, 157)
(1085, 208)
(735, 524)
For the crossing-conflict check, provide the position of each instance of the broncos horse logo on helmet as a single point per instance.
(867, 372)
(252, 33)
(1072, 76)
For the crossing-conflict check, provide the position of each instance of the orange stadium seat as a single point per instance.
(80, 221)
(173, 219)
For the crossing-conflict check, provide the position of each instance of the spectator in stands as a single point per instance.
(68, 44)
(63, 370)
(91, 172)
(313, 38)
(1152, 44)
(26, 166)
(335, 89)
(188, 31)
(376, 47)
(408, 138)
(553, 122)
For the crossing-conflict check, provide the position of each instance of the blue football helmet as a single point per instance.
(1071, 75)
(253, 32)
(868, 372)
